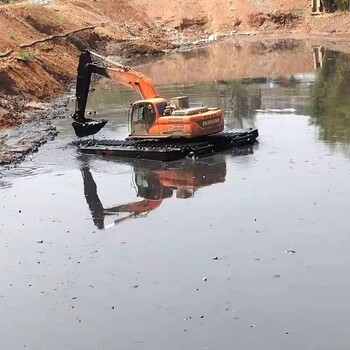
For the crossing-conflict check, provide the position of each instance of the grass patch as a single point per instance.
(24, 55)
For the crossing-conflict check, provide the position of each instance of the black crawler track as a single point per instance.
(167, 149)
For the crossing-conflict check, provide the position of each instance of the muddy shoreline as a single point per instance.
(26, 139)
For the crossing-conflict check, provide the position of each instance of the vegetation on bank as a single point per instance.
(330, 106)
(336, 5)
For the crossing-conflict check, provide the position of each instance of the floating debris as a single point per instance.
(205, 279)
(290, 251)
(215, 258)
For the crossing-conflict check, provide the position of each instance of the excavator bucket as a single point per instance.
(88, 127)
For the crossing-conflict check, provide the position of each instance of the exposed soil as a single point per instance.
(40, 40)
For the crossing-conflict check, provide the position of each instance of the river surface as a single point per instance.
(242, 250)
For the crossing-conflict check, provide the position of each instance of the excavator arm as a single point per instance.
(120, 74)
(85, 70)
(99, 213)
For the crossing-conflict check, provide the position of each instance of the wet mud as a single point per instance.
(18, 143)
(246, 249)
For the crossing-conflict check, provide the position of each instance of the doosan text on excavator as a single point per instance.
(160, 129)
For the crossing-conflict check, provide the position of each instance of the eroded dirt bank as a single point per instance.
(40, 41)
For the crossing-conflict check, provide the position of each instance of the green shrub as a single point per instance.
(24, 55)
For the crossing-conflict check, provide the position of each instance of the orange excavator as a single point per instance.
(153, 117)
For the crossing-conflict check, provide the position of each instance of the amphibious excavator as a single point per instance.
(160, 129)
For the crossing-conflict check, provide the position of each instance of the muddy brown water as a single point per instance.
(242, 250)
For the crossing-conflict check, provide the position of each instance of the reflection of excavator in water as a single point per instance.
(154, 182)
(160, 129)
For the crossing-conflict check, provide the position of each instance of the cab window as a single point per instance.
(144, 113)
(161, 108)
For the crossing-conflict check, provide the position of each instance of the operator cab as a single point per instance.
(144, 114)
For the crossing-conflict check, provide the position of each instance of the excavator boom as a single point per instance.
(134, 80)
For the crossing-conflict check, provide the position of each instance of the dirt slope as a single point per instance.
(43, 70)
(217, 15)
